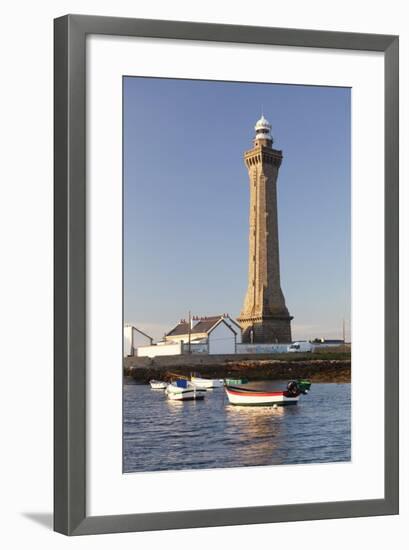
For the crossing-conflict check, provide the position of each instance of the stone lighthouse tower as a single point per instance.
(264, 317)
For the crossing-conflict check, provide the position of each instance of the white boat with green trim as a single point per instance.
(207, 383)
(235, 381)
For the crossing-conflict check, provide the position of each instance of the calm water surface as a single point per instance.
(160, 434)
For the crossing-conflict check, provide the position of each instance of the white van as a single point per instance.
(300, 347)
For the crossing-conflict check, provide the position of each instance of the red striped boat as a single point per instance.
(244, 396)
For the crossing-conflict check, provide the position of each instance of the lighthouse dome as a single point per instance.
(263, 129)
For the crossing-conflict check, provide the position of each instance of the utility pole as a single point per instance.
(343, 334)
(190, 331)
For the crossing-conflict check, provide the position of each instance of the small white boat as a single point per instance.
(158, 385)
(183, 390)
(244, 396)
(207, 383)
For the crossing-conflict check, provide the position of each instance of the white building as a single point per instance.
(134, 338)
(219, 334)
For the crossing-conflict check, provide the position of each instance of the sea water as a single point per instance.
(160, 434)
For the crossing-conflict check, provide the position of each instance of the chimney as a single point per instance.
(193, 321)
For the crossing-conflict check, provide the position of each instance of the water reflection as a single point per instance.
(260, 425)
(160, 434)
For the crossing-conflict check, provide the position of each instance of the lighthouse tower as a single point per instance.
(264, 317)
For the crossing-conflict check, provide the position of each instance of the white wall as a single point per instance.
(262, 348)
(236, 328)
(128, 341)
(26, 228)
(221, 340)
(195, 348)
(321, 346)
(153, 351)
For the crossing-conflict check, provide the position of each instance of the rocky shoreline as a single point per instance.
(317, 370)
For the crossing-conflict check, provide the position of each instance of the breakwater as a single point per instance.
(317, 367)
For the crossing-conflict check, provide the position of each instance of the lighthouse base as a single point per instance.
(266, 329)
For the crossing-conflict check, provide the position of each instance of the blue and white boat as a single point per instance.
(183, 390)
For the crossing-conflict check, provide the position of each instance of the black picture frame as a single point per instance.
(70, 274)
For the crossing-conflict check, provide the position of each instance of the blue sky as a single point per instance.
(186, 200)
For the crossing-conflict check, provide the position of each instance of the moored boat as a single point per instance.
(183, 390)
(206, 383)
(254, 397)
(235, 381)
(158, 385)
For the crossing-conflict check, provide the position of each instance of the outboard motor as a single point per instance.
(293, 389)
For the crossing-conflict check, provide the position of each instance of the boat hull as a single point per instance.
(188, 392)
(238, 396)
(191, 395)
